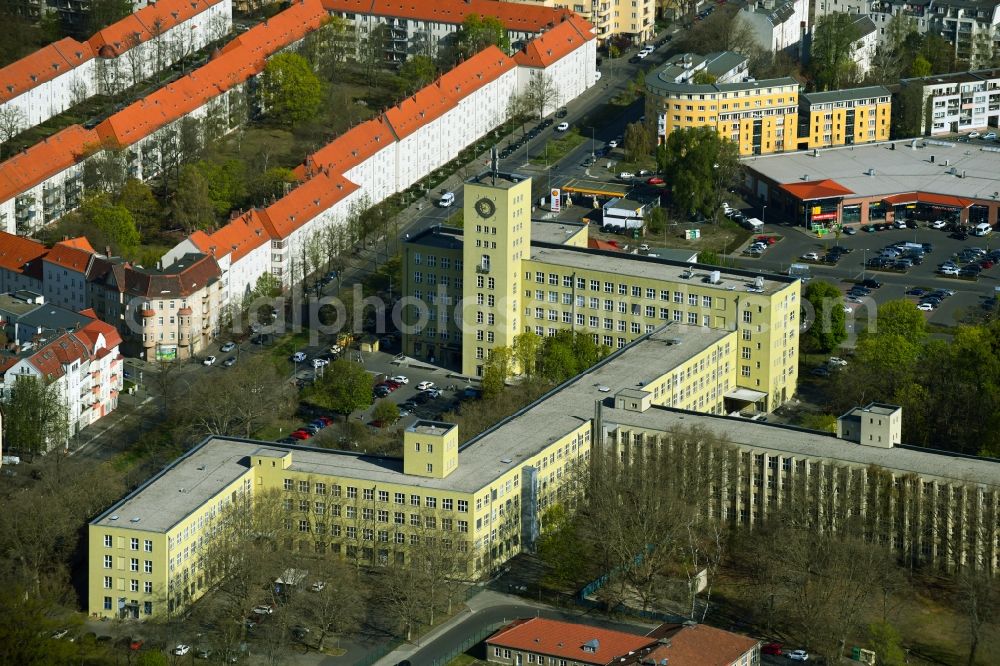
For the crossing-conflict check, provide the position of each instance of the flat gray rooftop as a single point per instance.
(846, 95)
(811, 444)
(554, 231)
(656, 268)
(896, 171)
(191, 481)
(445, 238)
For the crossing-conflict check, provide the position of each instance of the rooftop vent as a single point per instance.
(715, 277)
(870, 172)
(135, 520)
(506, 461)
(115, 517)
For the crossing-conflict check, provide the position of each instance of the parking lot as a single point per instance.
(970, 292)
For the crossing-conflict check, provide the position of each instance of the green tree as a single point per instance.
(702, 165)
(497, 369)
(227, 183)
(823, 422)
(638, 142)
(562, 547)
(703, 77)
(829, 327)
(887, 644)
(102, 13)
(137, 198)
(902, 318)
(114, 221)
(567, 354)
(36, 417)
(271, 184)
(418, 71)
(385, 412)
(832, 61)
(343, 388)
(27, 641)
(290, 91)
(656, 220)
(526, 348)
(192, 206)
(478, 32)
(920, 67)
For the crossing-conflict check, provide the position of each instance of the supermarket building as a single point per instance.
(880, 183)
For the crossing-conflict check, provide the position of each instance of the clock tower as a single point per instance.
(496, 237)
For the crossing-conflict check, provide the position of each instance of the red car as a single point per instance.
(325, 419)
(771, 648)
(135, 645)
(300, 434)
(986, 263)
(655, 180)
(770, 240)
(392, 385)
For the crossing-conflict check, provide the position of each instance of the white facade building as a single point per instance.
(777, 25)
(958, 102)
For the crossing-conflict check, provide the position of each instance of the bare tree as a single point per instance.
(542, 93)
(11, 121)
(976, 595)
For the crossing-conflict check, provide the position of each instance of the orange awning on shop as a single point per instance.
(816, 189)
(928, 198)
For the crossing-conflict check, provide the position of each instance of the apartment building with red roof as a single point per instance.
(428, 27)
(543, 641)
(20, 263)
(629, 19)
(53, 168)
(64, 273)
(56, 77)
(77, 352)
(566, 56)
(701, 645)
(47, 82)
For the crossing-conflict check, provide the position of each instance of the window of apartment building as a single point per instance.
(554, 279)
(745, 370)
(678, 297)
(414, 500)
(147, 566)
(320, 508)
(383, 496)
(108, 541)
(692, 318)
(369, 494)
(747, 317)
(399, 498)
(540, 278)
(678, 316)
(107, 582)
(463, 526)
(553, 297)
(609, 287)
(399, 518)
(304, 505)
(352, 492)
(289, 484)
(134, 544)
(134, 564)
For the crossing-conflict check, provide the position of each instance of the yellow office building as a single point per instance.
(481, 286)
(760, 117)
(844, 117)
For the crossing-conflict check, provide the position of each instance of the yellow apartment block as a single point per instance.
(485, 501)
(844, 117)
(632, 19)
(761, 117)
(520, 275)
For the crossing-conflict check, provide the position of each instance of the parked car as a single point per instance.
(821, 371)
(228, 347)
(836, 360)
(319, 363)
(209, 360)
(990, 136)
(973, 135)
(771, 648)
(401, 379)
(850, 231)
(446, 200)
(655, 180)
(810, 256)
(298, 357)
(229, 362)
(562, 113)
(626, 175)
(263, 609)
(925, 307)
(871, 284)
(938, 224)
(798, 655)
(424, 386)
(300, 434)
(562, 127)
(135, 644)
(182, 650)
(318, 586)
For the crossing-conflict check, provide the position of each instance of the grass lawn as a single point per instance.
(465, 660)
(286, 346)
(556, 149)
(720, 238)
(277, 429)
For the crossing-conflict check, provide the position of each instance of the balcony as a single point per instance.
(483, 270)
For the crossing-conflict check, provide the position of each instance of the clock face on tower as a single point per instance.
(485, 207)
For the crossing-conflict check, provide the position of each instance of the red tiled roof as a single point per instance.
(352, 147)
(239, 60)
(565, 640)
(69, 257)
(596, 244)
(555, 44)
(469, 76)
(42, 66)
(21, 255)
(238, 238)
(701, 645)
(816, 189)
(150, 21)
(930, 198)
(515, 17)
(45, 159)
(427, 105)
(50, 359)
(112, 338)
(81, 243)
(305, 202)
(188, 275)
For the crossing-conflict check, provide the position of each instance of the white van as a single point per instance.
(447, 199)
(982, 229)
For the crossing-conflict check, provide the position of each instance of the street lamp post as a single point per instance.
(763, 212)
(593, 144)
(864, 264)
